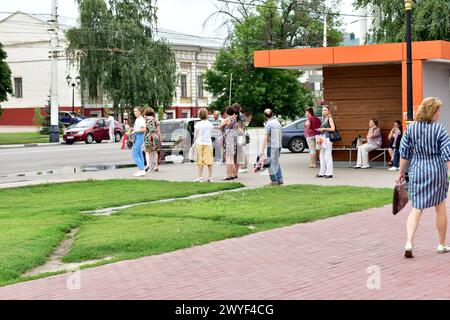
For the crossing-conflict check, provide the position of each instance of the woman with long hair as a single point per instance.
(229, 127)
(152, 139)
(326, 146)
(139, 131)
(395, 136)
(425, 147)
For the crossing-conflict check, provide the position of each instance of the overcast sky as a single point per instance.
(179, 15)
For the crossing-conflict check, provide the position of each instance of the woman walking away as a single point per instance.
(326, 150)
(425, 147)
(152, 139)
(373, 142)
(139, 131)
(229, 126)
(312, 123)
(203, 142)
(394, 148)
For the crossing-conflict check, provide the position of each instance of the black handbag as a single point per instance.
(335, 136)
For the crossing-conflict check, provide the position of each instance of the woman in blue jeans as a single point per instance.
(139, 131)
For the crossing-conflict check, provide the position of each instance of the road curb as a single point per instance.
(28, 145)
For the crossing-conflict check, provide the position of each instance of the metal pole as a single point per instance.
(325, 30)
(54, 121)
(231, 83)
(409, 62)
(73, 98)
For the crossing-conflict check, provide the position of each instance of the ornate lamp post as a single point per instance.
(74, 84)
(409, 88)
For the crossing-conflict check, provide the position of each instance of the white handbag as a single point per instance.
(193, 152)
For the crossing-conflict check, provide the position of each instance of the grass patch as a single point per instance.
(35, 219)
(22, 138)
(156, 228)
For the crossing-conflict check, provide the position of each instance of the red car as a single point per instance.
(92, 129)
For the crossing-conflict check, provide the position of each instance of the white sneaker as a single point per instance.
(393, 169)
(198, 180)
(243, 170)
(365, 167)
(139, 173)
(357, 167)
(442, 249)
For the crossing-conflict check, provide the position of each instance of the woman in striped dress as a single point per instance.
(425, 147)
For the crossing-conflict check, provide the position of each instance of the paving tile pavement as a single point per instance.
(335, 258)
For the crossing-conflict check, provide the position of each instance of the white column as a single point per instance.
(194, 83)
(178, 87)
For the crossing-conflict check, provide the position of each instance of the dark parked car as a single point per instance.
(177, 135)
(70, 118)
(294, 136)
(92, 129)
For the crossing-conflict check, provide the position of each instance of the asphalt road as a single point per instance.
(42, 158)
(54, 157)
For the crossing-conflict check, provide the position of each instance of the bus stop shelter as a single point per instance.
(364, 82)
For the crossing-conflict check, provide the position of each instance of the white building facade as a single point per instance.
(25, 39)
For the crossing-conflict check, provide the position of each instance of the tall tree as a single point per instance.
(5, 78)
(430, 20)
(272, 24)
(120, 55)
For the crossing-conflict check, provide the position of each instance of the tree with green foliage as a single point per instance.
(117, 52)
(274, 24)
(430, 20)
(5, 78)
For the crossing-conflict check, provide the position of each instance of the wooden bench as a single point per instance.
(381, 152)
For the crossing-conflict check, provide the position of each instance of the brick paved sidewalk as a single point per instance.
(327, 259)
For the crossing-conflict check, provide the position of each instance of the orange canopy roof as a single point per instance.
(377, 53)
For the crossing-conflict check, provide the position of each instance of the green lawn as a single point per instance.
(156, 228)
(22, 138)
(34, 220)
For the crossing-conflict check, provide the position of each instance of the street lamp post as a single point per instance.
(74, 84)
(409, 88)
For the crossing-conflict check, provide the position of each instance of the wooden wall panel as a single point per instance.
(358, 93)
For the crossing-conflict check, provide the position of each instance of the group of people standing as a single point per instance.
(147, 141)
(423, 150)
(231, 139)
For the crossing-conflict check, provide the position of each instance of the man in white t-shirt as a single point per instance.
(111, 126)
(203, 144)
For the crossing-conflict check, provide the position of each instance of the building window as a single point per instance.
(170, 114)
(200, 86)
(186, 114)
(183, 80)
(18, 89)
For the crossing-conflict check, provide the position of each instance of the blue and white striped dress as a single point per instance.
(427, 145)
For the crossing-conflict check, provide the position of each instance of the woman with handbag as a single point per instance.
(326, 145)
(373, 142)
(152, 139)
(203, 145)
(425, 147)
(229, 126)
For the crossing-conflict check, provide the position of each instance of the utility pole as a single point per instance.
(325, 29)
(231, 84)
(409, 88)
(54, 42)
